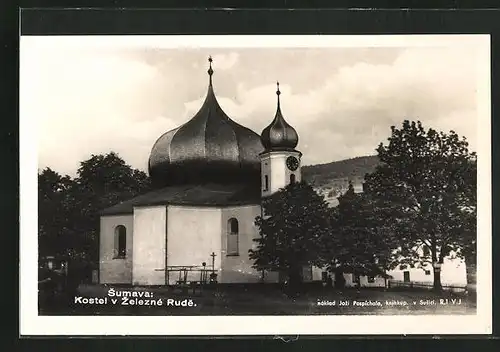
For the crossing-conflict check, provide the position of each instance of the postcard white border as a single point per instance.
(32, 324)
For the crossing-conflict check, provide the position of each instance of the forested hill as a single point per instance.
(321, 174)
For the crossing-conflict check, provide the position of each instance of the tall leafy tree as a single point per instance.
(293, 223)
(102, 181)
(469, 246)
(69, 208)
(54, 204)
(425, 190)
(357, 243)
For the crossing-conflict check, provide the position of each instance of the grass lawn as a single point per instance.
(269, 301)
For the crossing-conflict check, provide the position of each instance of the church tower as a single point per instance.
(280, 162)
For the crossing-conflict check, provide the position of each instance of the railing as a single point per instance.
(425, 285)
(184, 276)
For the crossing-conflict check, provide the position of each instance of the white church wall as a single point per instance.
(238, 268)
(113, 270)
(193, 233)
(149, 245)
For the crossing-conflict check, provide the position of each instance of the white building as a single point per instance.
(453, 273)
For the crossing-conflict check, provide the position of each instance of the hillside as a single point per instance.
(350, 168)
(332, 179)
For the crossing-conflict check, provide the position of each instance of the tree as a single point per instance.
(357, 243)
(425, 191)
(69, 208)
(291, 228)
(53, 212)
(469, 247)
(102, 181)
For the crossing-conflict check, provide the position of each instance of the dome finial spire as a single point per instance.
(279, 134)
(278, 93)
(210, 70)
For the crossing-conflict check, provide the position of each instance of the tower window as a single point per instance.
(266, 183)
(292, 178)
(120, 241)
(232, 237)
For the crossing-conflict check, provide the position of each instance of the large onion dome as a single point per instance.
(279, 135)
(209, 148)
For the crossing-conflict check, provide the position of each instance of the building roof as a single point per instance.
(279, 135)
(210, 147)
(191, 195)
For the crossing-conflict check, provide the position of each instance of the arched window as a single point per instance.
(120, 241)
(232, 236)
(292, 178)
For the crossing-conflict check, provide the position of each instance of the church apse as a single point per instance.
(115, 265)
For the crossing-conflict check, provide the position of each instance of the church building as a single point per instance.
(209, 177)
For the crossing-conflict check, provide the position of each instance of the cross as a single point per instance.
(213, 255)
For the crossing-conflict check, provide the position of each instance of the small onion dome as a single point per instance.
(209, 148)
(279, 135)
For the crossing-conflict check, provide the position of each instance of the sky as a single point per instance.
(94, 98)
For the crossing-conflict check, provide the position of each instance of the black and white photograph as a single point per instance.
(175, 185)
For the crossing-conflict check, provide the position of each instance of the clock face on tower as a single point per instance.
(292, 163)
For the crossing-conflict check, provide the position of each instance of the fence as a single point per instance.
(425, 285)
(187, 274)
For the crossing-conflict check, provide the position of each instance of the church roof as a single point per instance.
(209, 148)
(279, 135)
(191, 195)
